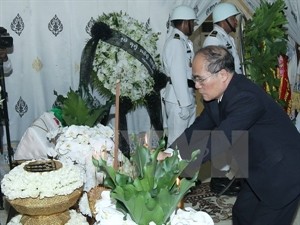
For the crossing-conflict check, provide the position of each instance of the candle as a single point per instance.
(146, 140)
(117, 104)
(149, 139)
(181, 202)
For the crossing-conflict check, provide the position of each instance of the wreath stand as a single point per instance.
(6, 124)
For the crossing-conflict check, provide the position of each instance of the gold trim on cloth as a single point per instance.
(296, 100)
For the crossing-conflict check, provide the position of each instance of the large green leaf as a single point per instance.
(154, 191)
(140, 157)
(80, 108)
(169, 200)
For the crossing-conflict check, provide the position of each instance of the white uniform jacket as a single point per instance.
(177, 57)
(219, 37)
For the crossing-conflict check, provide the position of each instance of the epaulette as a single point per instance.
(176, 36)
(213, 33)
(228, 46)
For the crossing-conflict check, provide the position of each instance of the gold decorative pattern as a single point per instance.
(46, 206)
(296, 100)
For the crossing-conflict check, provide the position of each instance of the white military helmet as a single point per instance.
(183, 12)
(224, 10)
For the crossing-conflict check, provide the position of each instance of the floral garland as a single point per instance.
(112, 63)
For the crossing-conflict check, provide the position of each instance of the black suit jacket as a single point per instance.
(262, 139)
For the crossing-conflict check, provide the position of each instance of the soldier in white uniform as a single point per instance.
(177, 56)
(225, 22)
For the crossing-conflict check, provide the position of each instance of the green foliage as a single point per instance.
(265, 38)
(153, 194)
(78, 108)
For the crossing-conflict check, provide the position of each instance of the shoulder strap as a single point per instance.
(213, 33)
(176, 36)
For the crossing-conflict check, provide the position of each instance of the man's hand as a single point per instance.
(162, 155)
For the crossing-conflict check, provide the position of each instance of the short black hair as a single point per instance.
(177, 22)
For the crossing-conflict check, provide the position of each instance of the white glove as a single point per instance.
(184, 113)
(165, 132)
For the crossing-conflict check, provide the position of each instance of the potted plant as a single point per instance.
(79, 108)
(265, 39)
(154, 190)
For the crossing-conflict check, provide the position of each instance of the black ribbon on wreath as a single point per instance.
(101, 31)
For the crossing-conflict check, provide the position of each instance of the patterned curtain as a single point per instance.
(49, 37)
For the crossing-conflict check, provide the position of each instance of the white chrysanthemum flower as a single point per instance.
(77, 144)
(19, 183)
(106, 214)
(84, 206)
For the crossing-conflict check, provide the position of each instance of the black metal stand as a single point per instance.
(6, 123)
(5, 114)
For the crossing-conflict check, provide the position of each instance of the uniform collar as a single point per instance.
(220, 29)
(182, 35)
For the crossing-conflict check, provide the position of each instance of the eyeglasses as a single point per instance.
(200, 80)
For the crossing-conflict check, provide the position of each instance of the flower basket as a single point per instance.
(93, 195)
(45, 206)
(46, 211)
(46, 191)
(54, 219)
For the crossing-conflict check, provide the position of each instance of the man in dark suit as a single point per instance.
(242, 126)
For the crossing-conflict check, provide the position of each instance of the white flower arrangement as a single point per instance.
(112, 63)
(19, 183)
(107, 214)
(77, 144)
